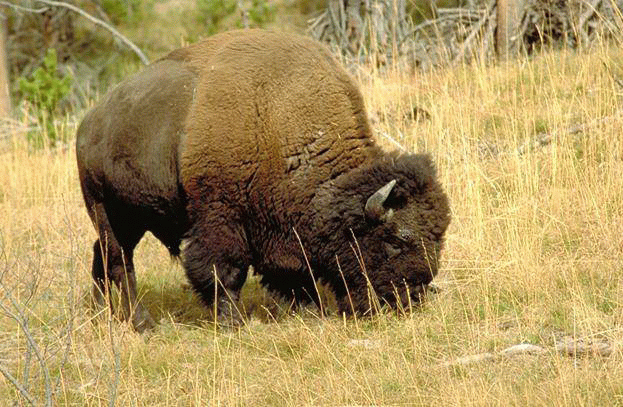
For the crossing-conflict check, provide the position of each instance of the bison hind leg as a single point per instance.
(120, 271)
(113, 263)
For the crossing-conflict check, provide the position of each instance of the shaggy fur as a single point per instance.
(250, 146)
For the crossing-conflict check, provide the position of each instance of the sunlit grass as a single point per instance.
(534, 253)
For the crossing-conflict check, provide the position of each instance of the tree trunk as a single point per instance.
(5, 99)
(509, 13)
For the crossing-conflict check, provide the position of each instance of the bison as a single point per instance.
(253, 148)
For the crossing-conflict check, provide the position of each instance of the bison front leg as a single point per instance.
(216, 261)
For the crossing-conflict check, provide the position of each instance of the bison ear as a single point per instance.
(374, 206)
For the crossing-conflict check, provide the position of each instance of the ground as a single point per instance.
(534, 254)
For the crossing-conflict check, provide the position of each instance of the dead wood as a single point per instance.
(382, 32)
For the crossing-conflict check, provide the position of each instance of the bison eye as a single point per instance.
(404, 235)
(392, 250)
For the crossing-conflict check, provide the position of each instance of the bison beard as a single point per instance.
(251, 146)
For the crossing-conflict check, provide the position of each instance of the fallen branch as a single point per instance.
(579, 347)
(566, 347)
(456, 35)
(545, 138)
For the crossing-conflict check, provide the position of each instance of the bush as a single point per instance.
(45, 88)
(219, 15)
(126, 11)
(261, 12)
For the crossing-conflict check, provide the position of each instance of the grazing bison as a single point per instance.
(253, 148)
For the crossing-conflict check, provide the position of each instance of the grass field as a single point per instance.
(534, 254)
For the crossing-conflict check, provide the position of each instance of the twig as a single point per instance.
(311, 272)
(26, 373)
(424, 25)
(488, 37)
(69, 328)
(592, 9)
(314, 22)
(616, 80)
(462, 12)
(22, 8)
(454, 34)
(117, 365)
(336, 28)
(373, 299)
(393, 141)
(475, 31)
(25, 394)
(343, 21)
(19, 318)
(99, 22)
(22, 388)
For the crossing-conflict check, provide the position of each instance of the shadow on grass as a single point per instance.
(177, 302)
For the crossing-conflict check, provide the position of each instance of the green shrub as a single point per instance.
(262, 12)
(213, 12)
(45, 88)
(219, 15)
(126, 11)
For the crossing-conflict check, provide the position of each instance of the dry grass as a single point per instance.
(534, 253)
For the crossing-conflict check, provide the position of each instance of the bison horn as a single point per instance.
(374, 205)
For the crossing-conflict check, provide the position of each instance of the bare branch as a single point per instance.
(25, 394)
(99, 22)
(459, 34)
(475, 31)
(26, 9)
(21, 321)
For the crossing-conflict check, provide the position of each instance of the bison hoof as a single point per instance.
(228, 314)
(142, 321)
(433, 289)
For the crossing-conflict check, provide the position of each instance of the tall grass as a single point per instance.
(534, 254)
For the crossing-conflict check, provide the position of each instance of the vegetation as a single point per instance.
(219, 14)
(534, 254)
(128, 12)
(44, 90)
(96, 58)
(530, 152)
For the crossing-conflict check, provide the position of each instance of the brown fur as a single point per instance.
(237, 144)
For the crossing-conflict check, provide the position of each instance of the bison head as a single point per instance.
(394, 214)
